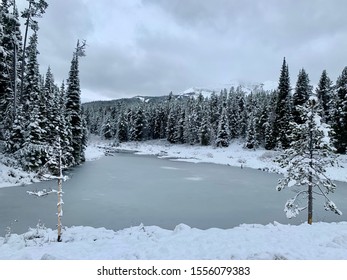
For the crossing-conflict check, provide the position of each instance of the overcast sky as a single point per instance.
(152, 47)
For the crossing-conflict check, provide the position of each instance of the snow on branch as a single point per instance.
(44, 192)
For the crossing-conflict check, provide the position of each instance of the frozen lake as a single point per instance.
(125, 190)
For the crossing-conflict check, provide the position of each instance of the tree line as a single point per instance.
(36, 115)
(260, 118)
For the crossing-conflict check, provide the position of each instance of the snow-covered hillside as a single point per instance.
(246, 87)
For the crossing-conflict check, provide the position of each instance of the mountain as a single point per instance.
(194, 92)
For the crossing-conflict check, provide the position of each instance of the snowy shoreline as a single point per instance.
(234, 155)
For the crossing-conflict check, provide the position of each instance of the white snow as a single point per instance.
(93, 150)
(252, 241)
(14, 176)
(273, 241)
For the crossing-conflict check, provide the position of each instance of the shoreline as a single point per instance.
(234, 155)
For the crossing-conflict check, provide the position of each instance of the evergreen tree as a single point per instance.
(73, 105)
(179, 130)
(233, 114)
(106, 129)
(35, 9)
(269, 139)
(31, 93)
(10, 44)
(64, 129)
(340, 113)
(214, 115)
(303, 90)
(16, 138)
(222, 139)
(309, 154)
(204, 130)
(122, 128)
(241, 113)
(171, 124)
(49, 107)
(138, 125)
(324, 93)
(281, 128)
(33, 153)
(251, 134)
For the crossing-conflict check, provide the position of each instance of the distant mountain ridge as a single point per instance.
(247, 87)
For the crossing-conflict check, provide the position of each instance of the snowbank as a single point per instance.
(274, 241)
(93, 151)
(10, 175)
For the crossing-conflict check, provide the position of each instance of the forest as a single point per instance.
(259, 118)
(37, 117)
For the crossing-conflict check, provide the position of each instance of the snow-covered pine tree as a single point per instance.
(251, 134)
(303, 91)
(138, 125)
(233, 114)
(269, 139)
(171, 123)
(73, 105)
(262, 113)
(340, 113)
(106, 129)
(324, 93)
(64, 129)
(281, 128)
(36, 8)
(33, 153)
(122, 128)
(214, 115)
(15, 140)
(4, 80)
(222, 138)
(204, 129)
(50, 107)
(10, 44)
(179, 130)
(310, 152)
(242, 113)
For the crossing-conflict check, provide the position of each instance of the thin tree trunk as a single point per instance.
(23, 54)
(15, 81)
(310, 201)
(60, 193)
(310, 194)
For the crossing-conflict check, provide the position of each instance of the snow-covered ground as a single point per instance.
(14, 176)
(273, 241)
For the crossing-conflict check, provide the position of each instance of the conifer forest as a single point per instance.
(36, 113)
(258, 118)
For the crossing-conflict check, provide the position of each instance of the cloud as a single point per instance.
(151, 47)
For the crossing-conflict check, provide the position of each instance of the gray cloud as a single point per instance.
(155, 46)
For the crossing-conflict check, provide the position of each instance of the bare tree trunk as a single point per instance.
(60, 194)
(23, 54)
(310, 201)
(310, 186)
(15, 81)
